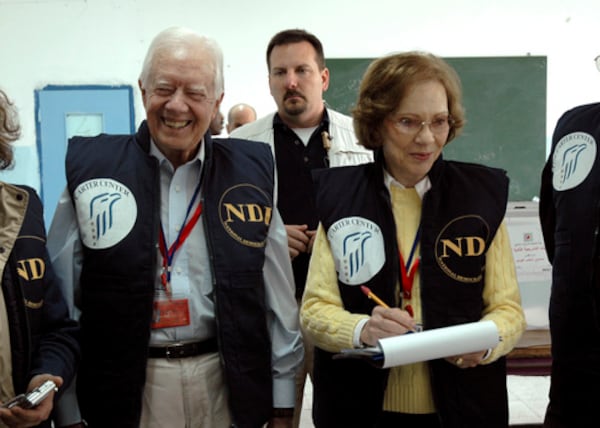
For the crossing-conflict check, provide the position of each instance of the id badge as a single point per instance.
(170, 313)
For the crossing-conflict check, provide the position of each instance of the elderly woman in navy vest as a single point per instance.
(425, 235)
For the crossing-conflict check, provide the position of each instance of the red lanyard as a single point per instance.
(184, 232)
(407, 272)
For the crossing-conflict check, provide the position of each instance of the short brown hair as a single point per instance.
(10, 130)
(287, 37)
(387, 80)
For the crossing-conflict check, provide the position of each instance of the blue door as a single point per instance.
(65, 111)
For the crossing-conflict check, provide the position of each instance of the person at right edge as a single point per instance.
(427, 236)
(570, 217)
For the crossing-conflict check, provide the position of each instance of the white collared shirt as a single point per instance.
(421, 187)
(191, 278)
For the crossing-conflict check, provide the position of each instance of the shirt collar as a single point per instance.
(421, 187)
(162, 160)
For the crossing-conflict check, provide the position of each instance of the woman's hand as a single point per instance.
(16, 417)
(386, 322)
(466, 361)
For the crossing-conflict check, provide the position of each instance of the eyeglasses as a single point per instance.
(411, 126)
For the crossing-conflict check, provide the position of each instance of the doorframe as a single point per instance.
(38, 122)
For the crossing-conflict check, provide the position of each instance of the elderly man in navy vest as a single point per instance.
(177, 259)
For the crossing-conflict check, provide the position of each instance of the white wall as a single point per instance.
(83, 42)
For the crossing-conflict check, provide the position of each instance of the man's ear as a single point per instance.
(142, 90)
(325, 78)
(219, 100)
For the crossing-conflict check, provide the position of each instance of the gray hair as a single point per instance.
(180, 37)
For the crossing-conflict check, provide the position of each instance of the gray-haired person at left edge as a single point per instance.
(38, 340)
(172, 249)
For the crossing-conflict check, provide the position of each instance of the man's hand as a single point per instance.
(299, 240)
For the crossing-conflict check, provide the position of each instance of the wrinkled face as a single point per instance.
(179, 99)
(410, 147)
(297, 84)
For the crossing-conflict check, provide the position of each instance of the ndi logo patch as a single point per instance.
(573, 159)
(358, 250)
(460, 248)
(245, 212)
(106, 212)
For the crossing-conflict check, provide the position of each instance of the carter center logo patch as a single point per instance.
(357, 247)
(106, 212)
(573, 159)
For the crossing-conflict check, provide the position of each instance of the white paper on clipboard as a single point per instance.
(439, 343)
(428, 345)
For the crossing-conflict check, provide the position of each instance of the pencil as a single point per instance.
(372, 296)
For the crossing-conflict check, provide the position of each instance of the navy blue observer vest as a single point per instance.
(461, 214)
(114, 184)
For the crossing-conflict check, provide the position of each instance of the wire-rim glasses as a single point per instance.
(411, 125)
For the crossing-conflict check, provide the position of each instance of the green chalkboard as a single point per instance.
(505, 103)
